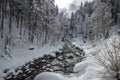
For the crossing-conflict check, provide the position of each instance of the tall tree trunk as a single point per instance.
(18, 15)
(2, 19)
(10, 17)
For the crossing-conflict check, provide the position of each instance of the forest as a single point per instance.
(27, 24)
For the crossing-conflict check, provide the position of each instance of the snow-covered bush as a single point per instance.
(109, 58)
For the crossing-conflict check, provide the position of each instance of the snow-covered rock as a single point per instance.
(49, 76)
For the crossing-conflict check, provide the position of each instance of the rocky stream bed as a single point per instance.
(63, 62)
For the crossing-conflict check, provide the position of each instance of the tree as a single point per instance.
(36, 21)
(72, 26)
(102, 19)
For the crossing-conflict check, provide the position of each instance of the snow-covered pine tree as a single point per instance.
(102, 19)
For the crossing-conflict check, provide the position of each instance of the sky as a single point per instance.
(65, 4)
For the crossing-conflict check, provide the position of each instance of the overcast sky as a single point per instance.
(65, 4)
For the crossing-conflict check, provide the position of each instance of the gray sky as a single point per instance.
(65, 4)
(66, 7)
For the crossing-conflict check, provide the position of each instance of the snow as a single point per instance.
(49, 76)
(19, 59)
(88, 69)
(53, 76)
(20, 56)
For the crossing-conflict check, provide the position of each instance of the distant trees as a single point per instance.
(94, 19)
(82, 21)
(102, 19)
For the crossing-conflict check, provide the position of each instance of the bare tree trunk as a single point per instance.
(21, 26)
(2, 21)
(7, 46)
(10, 17)
(18, 15)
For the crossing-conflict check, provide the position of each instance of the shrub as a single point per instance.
(109, 58)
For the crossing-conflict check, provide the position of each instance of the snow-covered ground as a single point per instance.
(85, 70)
(88, 69)
(20, 56)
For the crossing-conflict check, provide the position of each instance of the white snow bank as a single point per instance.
(49, 76)
(88, 69)
(54, 76)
